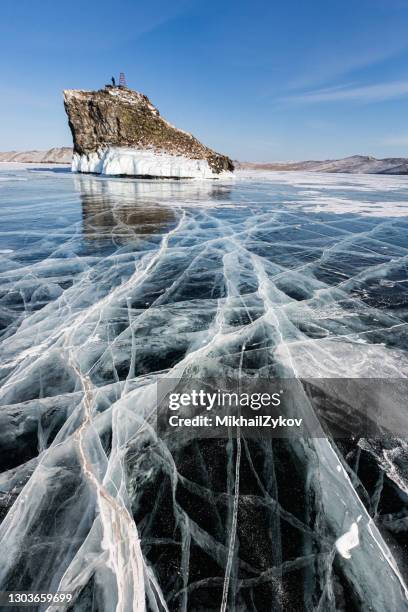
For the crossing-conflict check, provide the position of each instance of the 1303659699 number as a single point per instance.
(27, 597)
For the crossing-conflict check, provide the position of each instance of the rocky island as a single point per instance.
(117, 131)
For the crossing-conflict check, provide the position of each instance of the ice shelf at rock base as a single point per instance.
(119, 161)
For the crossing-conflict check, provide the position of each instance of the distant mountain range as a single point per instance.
(57, 155)
(357, 164)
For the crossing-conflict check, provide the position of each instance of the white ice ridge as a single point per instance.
(115, 161)
(348, 541)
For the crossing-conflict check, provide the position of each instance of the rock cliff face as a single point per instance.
(118, 131)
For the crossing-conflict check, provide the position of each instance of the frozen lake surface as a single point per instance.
(108, 284)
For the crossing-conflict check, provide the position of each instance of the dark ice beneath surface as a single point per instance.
(107, 285)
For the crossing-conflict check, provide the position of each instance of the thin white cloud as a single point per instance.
(396, 141)
(367, 93)
(331, 64)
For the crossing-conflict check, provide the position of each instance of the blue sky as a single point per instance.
(258, 80)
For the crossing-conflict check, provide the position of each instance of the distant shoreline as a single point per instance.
(56, 155)
(356, 164)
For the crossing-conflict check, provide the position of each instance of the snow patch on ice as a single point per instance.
(320, 192)
(348, 541)
(115, 161)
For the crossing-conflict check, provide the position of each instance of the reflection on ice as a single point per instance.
(117, 210)
(133, 190)
(108, 284)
